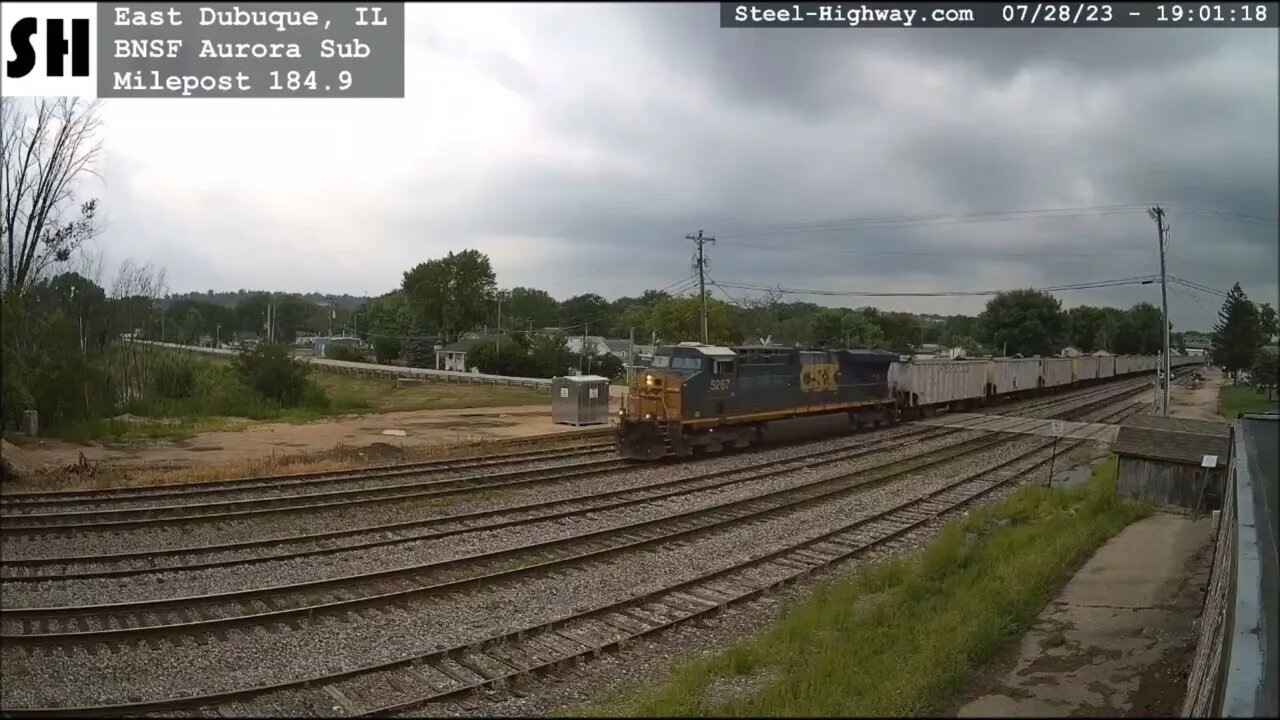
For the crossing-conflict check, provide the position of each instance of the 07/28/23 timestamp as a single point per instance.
(1211, 13)
(298, 81)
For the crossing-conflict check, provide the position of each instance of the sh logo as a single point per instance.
(48, 49)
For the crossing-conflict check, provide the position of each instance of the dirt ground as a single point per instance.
(424, 427)
(1199, 403)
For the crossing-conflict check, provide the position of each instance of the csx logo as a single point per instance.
(55, 43)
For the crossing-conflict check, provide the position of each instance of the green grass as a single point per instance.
(1236, 399)
(221, 401)
(906, 636)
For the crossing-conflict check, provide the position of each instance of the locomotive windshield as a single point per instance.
(677, 362)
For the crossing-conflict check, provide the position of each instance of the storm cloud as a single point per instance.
(577, 145)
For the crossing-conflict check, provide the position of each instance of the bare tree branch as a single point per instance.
(46, 146)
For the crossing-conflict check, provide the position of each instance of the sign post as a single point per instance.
(1055, 427)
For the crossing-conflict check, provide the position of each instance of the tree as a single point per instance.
(503, 356)
(680, 320)
(272, 373)
(451, 295)
(587, 310)
(1085, 327)
(46, 146)
(530, 307)
(1269, 321)
(1238, 334)
(385, 325)
(1265, 373)
(549, 355)
(1024, 322)
(901, 331)
(1140, 331)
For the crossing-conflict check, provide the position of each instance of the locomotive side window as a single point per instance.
(723, 367)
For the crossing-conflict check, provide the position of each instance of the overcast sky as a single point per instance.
(577, 145)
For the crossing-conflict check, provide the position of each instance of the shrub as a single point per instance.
(271, 372)
(174, 377)
(344, 352)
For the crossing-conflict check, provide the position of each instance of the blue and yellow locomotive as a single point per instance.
(705, 396)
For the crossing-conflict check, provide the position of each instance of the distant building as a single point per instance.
(321, 346)
(453, 356)
(1071, 351)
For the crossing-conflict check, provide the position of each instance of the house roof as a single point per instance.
(466, 344)
(1173, 439)
(617, 345)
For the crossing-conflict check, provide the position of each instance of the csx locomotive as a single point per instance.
(696, 396)
(711, 397)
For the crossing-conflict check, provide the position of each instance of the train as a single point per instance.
(696, 397)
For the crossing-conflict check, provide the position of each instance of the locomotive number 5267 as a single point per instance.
(720, 385)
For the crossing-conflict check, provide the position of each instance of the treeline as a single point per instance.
(65, 349)
(441, 300)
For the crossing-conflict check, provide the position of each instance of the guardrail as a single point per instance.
(1234, 673)
(384, 371)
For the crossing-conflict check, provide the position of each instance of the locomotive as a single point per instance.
(707, 397)
(710, 397)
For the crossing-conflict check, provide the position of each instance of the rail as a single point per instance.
(384, 371)
(1234, 673)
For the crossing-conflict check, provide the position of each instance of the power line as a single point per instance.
(940, 253)
(937, 219)
(1136, 280)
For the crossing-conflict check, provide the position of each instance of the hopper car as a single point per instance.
(696, 397)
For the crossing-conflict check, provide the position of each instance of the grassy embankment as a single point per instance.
(1236, 399)
(221, 401)
(903, 637)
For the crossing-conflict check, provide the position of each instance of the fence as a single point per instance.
(386, 371)
(1234, 670)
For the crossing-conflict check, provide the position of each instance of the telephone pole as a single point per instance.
(701, 264)
(1162, 230)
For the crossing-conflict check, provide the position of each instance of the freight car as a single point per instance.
(697, 396)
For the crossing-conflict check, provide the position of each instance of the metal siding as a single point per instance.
(1106, 366)
(1057, 372)
(1087, 367)
(932, 383)
(1015, 375)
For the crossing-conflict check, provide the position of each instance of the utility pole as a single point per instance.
(1162, 229)
(497, 342)
(701, 264)
(631, 358)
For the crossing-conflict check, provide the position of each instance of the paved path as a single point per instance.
(1118, 639)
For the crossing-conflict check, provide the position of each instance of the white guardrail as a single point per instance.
(387, 371)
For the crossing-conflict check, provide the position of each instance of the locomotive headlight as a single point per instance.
(648, 380)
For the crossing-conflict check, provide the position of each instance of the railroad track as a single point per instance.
(37, 569)
(283, 607)
(510, 657)
(35, 524)
(64, 498)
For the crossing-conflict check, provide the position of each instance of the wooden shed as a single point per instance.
(1164, 460)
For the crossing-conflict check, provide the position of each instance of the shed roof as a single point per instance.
(1173, 439)
(583, 378)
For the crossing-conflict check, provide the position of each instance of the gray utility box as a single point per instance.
(580, 400)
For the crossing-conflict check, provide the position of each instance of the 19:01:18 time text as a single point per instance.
(1209, 13)
(294, 80)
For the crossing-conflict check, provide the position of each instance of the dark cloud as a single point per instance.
(657, 122)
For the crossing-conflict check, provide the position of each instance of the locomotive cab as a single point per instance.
(651, 410)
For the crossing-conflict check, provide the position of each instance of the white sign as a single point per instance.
(564, 392)
(1209, 461)
(1058, 428)
(593, 393)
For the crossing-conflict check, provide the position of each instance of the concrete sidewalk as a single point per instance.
(1118, 640)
